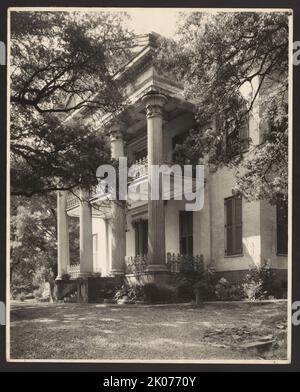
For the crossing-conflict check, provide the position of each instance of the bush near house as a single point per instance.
(154, 293)
(184, 291)
(192, 285)
(226, 291)
(149, 293)
(261, 283)
(204, 285)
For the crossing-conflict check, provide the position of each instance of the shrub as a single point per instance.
(30, 296)
(184, 291)
(253, 290)
(154, 293)
(22, 290)
(203, 291)
(132, 294)
(21, 297)
(121, 293)
(136, 293)
(66, 277)
(260, 283)
(204, 287)
(38, 293)
(226, 291)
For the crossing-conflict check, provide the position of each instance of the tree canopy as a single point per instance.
(34, 242)
(228, 63)
(62, 62)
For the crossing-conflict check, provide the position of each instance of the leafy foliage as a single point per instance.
(229, 63)
(226, 291)
(34, 243)
(260, 283)
(154, 293)
(62, 62)
(60, 59)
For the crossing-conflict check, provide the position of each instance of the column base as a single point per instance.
(116, 272)
(85, 275)
(160, 278)
(83, 290)
(157, 268)
(63, 288)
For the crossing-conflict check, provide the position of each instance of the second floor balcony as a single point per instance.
(137, 182)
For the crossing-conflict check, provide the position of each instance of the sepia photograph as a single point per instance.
(149, 185)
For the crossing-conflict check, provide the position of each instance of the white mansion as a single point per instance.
(142, 239)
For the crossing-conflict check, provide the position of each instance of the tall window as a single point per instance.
(282, 228)
(233, 226)
(141, 237)
(238, 140)
(186, 232)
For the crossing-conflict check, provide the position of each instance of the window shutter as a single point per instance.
(186, 232)
(238, 210)
(244, 135)
(229, 226)
(137, 239)
(282, 228)
(233, 226)
(144, 237)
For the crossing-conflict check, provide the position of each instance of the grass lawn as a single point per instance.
(215, 331)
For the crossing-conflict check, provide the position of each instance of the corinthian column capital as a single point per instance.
(154, 103)
(116, 130)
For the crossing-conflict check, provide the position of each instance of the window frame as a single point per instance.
(236, 251)
(240, 138)
(190, 235)
(141, 237)
(279, 224)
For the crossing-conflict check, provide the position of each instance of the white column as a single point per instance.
(118, 215)
(156, 210)
(86, 238)
(63, 256)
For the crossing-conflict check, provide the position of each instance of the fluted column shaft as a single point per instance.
(118, 214)
(63, 250)
(86, 237)
(156, 210)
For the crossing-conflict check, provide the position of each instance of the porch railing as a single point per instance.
(176, 263)
(72, 200)
(136, 264)
(74, 270)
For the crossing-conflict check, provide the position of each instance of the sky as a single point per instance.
(158, 20)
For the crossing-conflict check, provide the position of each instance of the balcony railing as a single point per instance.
(139, 168)
(74, 270)
(176, 263)
(72, 200)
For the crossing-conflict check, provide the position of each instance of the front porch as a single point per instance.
(135, 265)
(114, 233)
(94, 288)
